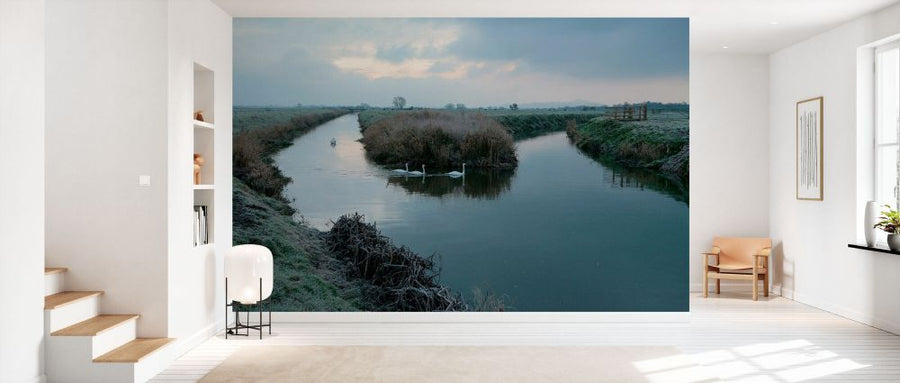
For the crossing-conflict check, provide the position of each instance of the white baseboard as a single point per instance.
(182, 346)
(734, 286)
(37, 379)
(478, 317)
(870, 320)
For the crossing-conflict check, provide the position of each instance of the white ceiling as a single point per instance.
(744, 26)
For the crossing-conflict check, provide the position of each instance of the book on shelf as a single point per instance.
(201, 227)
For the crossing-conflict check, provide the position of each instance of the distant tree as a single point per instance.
(449, 106)
(514, 106)
(364, 106)
(460, 106)
(299, 105)
(399, 102)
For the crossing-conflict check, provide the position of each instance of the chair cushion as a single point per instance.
(737, 253)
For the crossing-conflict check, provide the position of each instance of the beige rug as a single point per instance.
(457, 364)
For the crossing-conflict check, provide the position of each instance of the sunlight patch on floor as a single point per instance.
(781, 362)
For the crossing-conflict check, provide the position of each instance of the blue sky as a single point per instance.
(477, 62)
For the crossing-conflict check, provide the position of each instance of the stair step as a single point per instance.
(134, 351)
(54, 279)
(54, 270)
(96, 325)
(67, 297)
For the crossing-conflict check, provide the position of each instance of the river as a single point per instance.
(561, 232)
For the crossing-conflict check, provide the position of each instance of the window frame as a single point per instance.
(878, 141)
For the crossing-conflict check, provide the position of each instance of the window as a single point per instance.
(887, 124)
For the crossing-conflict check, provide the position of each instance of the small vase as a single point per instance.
(871, 216)
(893, 241)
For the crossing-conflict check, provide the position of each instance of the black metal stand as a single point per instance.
(236, 330)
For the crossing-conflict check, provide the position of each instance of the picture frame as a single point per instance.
(809, 166)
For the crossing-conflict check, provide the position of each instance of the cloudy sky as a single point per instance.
(478, 62)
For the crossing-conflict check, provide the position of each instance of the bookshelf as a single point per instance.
(205, 145)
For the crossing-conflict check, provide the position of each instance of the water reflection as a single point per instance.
(624, 177)
(477, 184)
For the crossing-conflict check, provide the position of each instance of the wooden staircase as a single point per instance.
(83, 345)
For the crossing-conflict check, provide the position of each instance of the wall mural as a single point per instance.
(465, 164)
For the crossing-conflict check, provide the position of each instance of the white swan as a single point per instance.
(333, 142)
(401, 170)
(417, 173)
(456, 174)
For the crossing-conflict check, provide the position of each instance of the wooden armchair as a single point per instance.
(738, 258)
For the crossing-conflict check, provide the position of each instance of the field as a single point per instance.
(250, 118)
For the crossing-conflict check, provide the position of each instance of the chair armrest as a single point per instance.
(715, 251)
(764, 252)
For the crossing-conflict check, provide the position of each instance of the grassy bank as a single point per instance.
(439, 139)
(314, 270)
(660, 143)
(525, 124)
(268, 132)
(307, 277)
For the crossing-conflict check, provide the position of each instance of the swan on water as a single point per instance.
(333, 141)
(401, 170)
(418, 173)
(456, 174)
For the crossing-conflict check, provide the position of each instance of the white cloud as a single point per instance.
(373, 68)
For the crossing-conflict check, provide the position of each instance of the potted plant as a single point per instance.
(890, 222)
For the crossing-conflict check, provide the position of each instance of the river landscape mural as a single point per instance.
(465, 164)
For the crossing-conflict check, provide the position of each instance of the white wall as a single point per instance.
(106, 125)
(198, 32)
(816, 267)
(22, 189)
(729, 151)
(120, 104)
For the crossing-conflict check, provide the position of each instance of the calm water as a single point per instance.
(562, 232)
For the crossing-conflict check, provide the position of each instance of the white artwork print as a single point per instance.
(809, 149)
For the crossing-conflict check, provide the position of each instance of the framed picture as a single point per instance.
(809, 149)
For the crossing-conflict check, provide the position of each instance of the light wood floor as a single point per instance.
(730, 336)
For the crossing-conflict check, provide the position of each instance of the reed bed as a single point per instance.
(401, 279)
(440, 139)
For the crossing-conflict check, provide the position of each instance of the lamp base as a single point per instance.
(246, 326)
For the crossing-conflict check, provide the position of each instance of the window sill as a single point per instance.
(877, 248)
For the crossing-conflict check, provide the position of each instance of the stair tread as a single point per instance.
(54, 270)
(67, 297)
(134, 351)
(96, 325)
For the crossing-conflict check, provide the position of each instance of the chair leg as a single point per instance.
(705, 282)
(755, 285)
(766, 285)
(718, 286)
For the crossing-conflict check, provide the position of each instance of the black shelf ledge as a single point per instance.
(877, 248)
